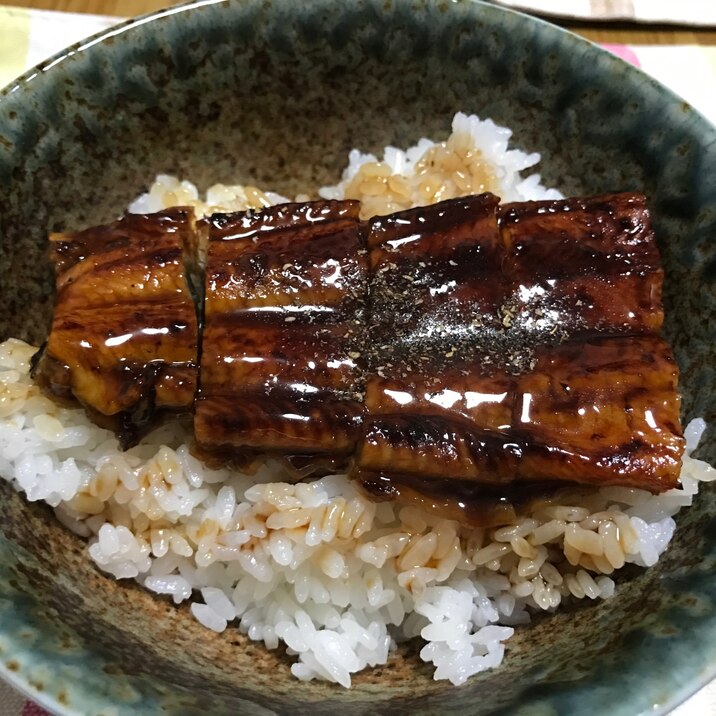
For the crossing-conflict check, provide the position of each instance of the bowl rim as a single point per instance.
(19, 681)
(123, 24)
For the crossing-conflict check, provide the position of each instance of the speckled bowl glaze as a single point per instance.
(276, 92)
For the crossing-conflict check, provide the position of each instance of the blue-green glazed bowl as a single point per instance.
(275, 92)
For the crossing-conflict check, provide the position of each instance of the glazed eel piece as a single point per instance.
(123, 340)
(284, 313)
(451, 352)
(516, 345)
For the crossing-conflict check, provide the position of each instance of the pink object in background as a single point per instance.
(623, 52)
(33, 710)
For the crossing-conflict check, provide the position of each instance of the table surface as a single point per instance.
(623, 34)
(627, 34)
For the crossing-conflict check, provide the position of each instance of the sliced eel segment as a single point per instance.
(123, 339)
(559, 377)
(582, 266)
(449, 423)
(602, 412)
(599, 412)
(284, 318)
(436, 283)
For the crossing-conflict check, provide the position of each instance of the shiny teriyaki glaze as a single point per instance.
(451, 353)
(124, 334)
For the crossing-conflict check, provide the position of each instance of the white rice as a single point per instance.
(167, 191)
(337, 578)
(475, 158)
(334, 576)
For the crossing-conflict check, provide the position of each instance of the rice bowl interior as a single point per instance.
(164, 157)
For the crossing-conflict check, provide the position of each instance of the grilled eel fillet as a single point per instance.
(451, 349)
(517, 344)
(285, 295)
(124, 334)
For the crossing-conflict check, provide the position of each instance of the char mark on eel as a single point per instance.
(516, 344)
(284, 312)
(123, 340)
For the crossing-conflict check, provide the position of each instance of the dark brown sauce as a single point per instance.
(293, 467)
(468, 503)
(580, 404)
(291, 216)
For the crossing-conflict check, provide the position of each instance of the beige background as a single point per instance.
(605, 33)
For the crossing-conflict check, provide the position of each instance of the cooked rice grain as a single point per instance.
(334, 576)
(475, 158)
(167, 191)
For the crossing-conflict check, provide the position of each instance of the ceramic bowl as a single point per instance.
(276, 92)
